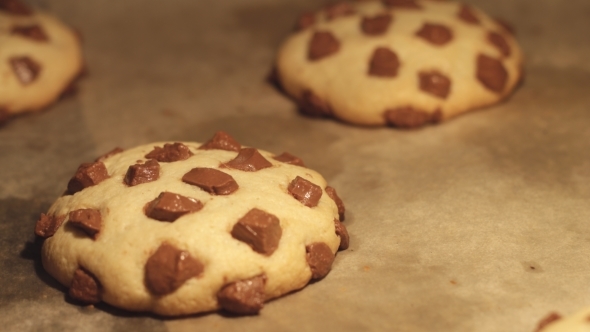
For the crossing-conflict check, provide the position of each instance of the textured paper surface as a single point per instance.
(478, 224)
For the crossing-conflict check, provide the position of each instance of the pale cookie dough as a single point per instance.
(403, 63)
(40, 58)
(182, 228)
(578, 322)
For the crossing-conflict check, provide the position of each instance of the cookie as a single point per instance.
(40, 58)
(402, 63)
(180, 228)
(554, 322)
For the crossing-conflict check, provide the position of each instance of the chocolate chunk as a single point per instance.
(467, 15)
(319, 258)
(321, 45)
(435, 83)
(249, 160)
(506, 25)
(384, 63)
(437, 34)
(221, 141)
(338, 9)
(169, 268)
(87, 175)
(260, 230)
(408, 117)
(15, 7)
(306, 192)
(47, 225)
(170, 206)
(288, 158)
(500, 42)
(25, 69)
(334, 196)
(411, 4)
(491, 73)
(34, 32)
(304, 21)
(244, 297)
(109, 154)
(85, 287)
(211, 180)
(170, 153)
(550, 318)
(341, 231)
(88, 220)
(376, 25)
(310, 104)
(142, 173)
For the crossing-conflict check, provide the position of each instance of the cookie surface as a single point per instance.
(553, 322)
(181, 228)
(403, 63)
(39, 58)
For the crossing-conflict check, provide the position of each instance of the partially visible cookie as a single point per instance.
(554, 322)
(179, 228)
(403, 63)
(40, 58)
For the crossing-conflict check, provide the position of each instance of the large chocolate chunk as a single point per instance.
(304, 21)
(341, 231)
(319, 258)
(47, 225)
(384, 63)
(249, 160)
(491, 73)
(87, 175)
(408, 117)
(467, 15)
(169, 268)
(499, 42)
(88, 220)
(142, 173)
(169, 206)
(15, 7)
(170, 153)
(437, 34)
(410, 4)
(306, 192)
(550, 318)
(34, 32)
(334, 196)
(211, 180)
(376, 25)
(244, 297)
(338, 9)
(312, 105)
(260, 230)
(288, 158)
(321, 45)
(435, 83)
(85, 287)
(221, 141)
(109, 154)
(25, 69)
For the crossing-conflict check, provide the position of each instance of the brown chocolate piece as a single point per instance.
(170, 153)
(109, 154)
(376, 25)
(341, 231)
(25, 69)
(260, 230)
(244, 297)
(142, 173)
(221, 141)
(249, 160)
(334, 196)
(47, 225)
(550, 318)
(338, 9)
(499, 42)
(170, 206)
(384, 63)
(304, 21)
(437, 34)
(491, 73)
(87, 175)
(34, 32)
(169, 268)
(211, 180)
(402, 4)
(435, 83)
(85, 287)
(408, 117)
(319, 258)
(288, 158)
(15, 7)
(467, 15)
(321, 45)
(310, 104)
(305, 191)
(88, 220)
